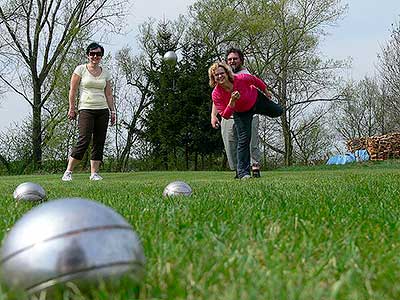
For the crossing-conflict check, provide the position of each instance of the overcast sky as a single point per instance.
(360, 35)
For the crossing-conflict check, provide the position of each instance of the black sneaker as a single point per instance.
(236, 175)
(256, 171)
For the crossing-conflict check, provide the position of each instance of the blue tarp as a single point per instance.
(341, 159)
(359, 155)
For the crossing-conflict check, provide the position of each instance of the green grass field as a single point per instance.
(299, 233)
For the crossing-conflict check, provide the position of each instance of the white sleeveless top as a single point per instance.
(92, 88)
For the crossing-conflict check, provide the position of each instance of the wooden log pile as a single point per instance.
(357, 144)
(379, 147)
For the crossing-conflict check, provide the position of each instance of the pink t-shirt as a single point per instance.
(246, 85)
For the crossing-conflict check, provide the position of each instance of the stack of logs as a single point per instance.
(379, 147)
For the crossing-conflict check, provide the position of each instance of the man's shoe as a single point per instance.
(95, 176)
(245, 177)
(67, 176)
(256, 170)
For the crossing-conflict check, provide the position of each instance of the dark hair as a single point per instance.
(235, 50)
(93, 46)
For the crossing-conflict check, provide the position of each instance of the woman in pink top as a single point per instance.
(242, 96)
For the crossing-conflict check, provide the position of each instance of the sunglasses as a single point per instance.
(98, 54)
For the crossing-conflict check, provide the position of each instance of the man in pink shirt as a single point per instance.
(242, 96)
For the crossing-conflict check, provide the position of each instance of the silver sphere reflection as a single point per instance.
(29, 191)
(177, 188)
(170, 57)
(69, 240)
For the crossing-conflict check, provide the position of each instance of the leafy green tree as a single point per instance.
(216, 23)
(173, 113)
(194, 101)
(160, 126)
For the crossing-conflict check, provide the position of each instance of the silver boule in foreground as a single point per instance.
(29, 191)
(177, 188)
(170, 57)
(69, 239)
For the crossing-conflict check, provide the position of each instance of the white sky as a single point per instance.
(360, 35)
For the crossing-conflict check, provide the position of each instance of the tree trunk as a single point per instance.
(196, 160)
(165, 159)
(288, 141)
(37, 131)
(124, 158)
(285, 119)
(187, 156)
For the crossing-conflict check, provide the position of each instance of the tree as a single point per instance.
(371, 106)
(389, 71)
(146, 74)
(280, 40)
(14, 149)
(291, 63)
(133, 104)
(170, 106)
(313, 139)
(38, 36)
(194, 103)
(216, 24)
(363, 112)
(161, 125)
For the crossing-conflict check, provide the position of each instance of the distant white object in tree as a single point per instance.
(170, 57)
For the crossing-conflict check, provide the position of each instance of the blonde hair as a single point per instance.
(213, 69)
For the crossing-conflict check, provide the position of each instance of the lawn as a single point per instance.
(328, 232)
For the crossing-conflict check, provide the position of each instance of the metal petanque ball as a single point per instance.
(177, 188)
(70, 239)
(29, 191)
(170, 57)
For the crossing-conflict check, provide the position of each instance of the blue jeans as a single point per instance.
(263, 106)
